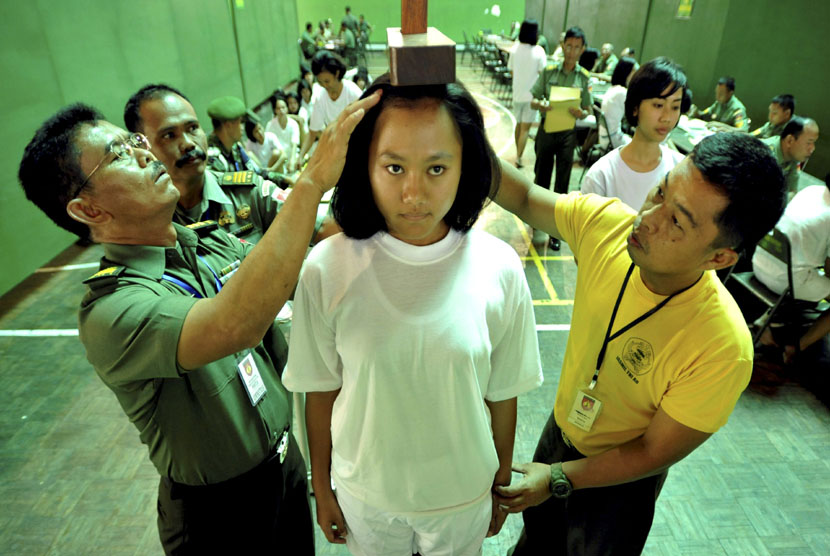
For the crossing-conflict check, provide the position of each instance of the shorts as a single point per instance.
(458, 531)
(524, 113)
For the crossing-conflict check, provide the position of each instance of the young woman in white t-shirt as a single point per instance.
(412, 334)
(527, 60)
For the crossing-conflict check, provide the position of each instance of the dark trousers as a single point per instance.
(265, 510)
(554, 147)
(593, 521)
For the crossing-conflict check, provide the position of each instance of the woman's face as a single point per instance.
(331, 83)
(306, 94)
(293, 105)
(414, 170)
(259, 134)
(309, 78)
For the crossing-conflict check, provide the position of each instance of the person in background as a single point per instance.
(527, 60)
(604, 67)
(558, 147)
(364, 29)
(307, 44)
(263, 146)
(320, 36)
(296, 111)
(781, 111)
(793, 147)
(727, 111)
(613, 105)
(338, 93)
(558, 54)
(655, 99)
(413, 335)
(286, 130)
(350, 21)
(348, 45)
(806, 223)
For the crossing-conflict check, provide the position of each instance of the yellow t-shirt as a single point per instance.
(693, 357)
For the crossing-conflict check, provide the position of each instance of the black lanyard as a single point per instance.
(638, 320)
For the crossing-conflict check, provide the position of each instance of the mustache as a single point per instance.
(192, 156)
(157, 167)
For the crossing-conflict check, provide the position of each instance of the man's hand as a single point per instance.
(541, 105)
(576, 112)
(330, 517)
(531, 490)
(326, 164)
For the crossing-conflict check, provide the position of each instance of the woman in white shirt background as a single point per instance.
(527, 60)
(613, 105)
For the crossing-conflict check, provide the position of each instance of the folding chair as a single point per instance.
(591, 149)
(777, 244)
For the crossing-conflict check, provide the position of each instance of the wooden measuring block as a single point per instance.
(419, 55)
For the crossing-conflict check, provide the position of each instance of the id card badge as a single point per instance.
(251, 379)
(585, 410)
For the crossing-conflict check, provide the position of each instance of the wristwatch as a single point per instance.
(560, 486)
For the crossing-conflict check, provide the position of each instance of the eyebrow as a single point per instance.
(440, 155)
(680, 207)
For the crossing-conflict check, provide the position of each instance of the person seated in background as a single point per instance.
(558, 54)
(305, 92)
(360, 76)
(793, 147)
(286, 130)
(296, 111)
(263, 146)
(364, 29)
(527, 60)
(604, 66)
(781, 111)
(726, 109)
(613, 105)
(656, 97)
(307, 44)
(806, 223)
(225, 150)
(348, 45)
(328, 33)
(338, 93)
(320, 35)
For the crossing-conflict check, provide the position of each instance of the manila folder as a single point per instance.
(558, 118)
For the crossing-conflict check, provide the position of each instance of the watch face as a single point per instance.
(561, 489)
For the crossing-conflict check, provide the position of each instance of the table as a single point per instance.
(688, 133)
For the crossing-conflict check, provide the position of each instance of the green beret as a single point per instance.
(226, 108)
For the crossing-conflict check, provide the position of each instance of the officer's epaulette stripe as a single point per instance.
(585, 72)
(200, 224)
(204, 227)
(238, 178)
(109, 272)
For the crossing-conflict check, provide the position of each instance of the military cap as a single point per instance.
(226, 108)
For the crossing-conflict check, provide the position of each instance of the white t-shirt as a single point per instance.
(262, 152)
(526, 62)
(324, 110)
(806, 222)
(613, 107)
(416, 338)
(287, 138)
(610, 176)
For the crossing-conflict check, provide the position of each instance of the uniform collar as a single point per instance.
(212, 191)
(148, 259)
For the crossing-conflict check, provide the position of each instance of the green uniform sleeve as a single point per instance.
(540, 89)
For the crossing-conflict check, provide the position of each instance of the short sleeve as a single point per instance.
(594, 181)
(539, 89)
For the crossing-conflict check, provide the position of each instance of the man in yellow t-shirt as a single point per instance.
(658, 352)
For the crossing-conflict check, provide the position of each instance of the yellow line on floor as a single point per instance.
(543, 273)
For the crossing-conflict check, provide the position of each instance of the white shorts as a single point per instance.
(458, 531)
(524, 113)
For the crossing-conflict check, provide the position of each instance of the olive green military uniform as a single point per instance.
(559, 145)
(768, 130)
(349, 46)
(732, 113)
(607, 65)
(307, 45)
(235, 159)
(241, 203)
(216, 452)
(789, 168)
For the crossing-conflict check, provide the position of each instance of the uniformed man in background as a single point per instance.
(726, 109)
(793, 147)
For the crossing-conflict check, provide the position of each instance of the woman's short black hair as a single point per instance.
(622, 71)
(529, 32)
(650, 81)
(330, 62)
(354, 206)
(250, 124)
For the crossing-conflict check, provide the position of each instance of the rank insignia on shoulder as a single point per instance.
(585, 72)
(111, 272)
(203, 227)
(551, 66)
(238, 178)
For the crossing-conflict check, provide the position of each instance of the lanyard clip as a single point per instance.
(594, 380)
(282, 449)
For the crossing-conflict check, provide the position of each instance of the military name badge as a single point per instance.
(584, 411)
(251, 378)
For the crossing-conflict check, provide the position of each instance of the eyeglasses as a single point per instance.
(122, 150)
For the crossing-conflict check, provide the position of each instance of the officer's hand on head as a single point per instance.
(326, 164)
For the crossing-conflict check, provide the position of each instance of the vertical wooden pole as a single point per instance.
(413, 17)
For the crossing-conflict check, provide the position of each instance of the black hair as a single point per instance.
(324, 60)
(302, 84)
(650, 81)
(250, 124)
(622, 71)
(743, 169)
(353, 204)
(50, 170)
(132, 116)
(529, 31)
(308, 26)
(795, 127)
(576, 33)
(728, 81)
(278, 94)
(295, 96)
(785, 101)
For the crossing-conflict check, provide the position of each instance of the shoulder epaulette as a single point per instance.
(204, 227)
(237, 178)
(585, 72)
(551, 66)
(106, 275)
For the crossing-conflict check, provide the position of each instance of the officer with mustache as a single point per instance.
(242, 203)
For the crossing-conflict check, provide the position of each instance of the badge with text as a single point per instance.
(251, 379)
(585, 411)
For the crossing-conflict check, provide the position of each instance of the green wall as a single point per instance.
(100, 52)
(451, 17)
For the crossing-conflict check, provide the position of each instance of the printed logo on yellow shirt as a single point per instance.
(637, 358)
